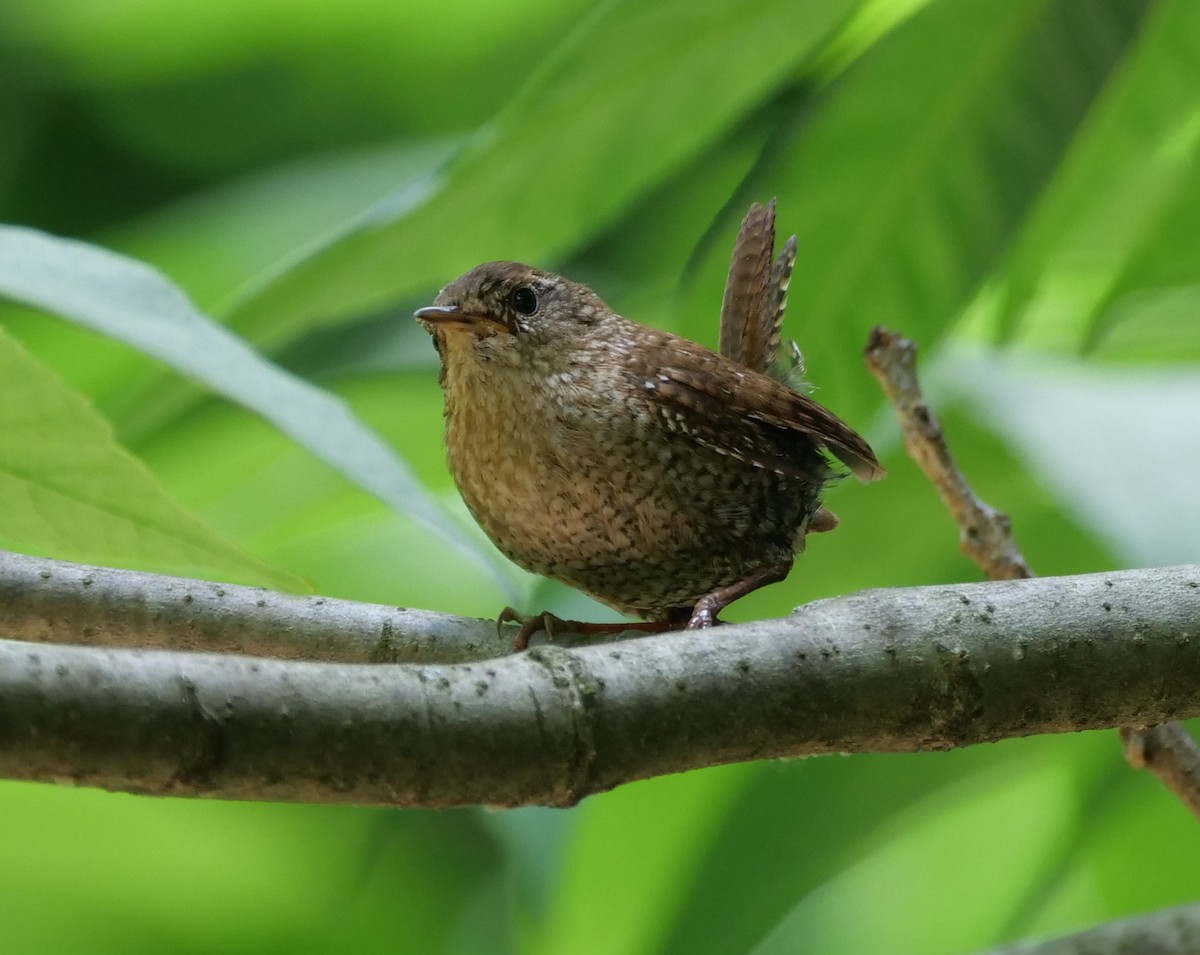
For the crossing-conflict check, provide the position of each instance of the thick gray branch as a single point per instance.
(50, 601)
(1169, 932)
(884, 670)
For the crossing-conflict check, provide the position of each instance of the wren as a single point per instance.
(662, 478)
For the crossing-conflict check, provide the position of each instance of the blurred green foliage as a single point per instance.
(1015, 183)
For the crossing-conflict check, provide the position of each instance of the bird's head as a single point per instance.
(506, 308)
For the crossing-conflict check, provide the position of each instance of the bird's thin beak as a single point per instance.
(449, 315)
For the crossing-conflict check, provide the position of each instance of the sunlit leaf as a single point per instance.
(1151, 326)
(71, 492)
(1117, 446)
(669, 824)
(1161, 277)
(1129, 817)
(908, 182)
(130, 301)
(213, 243)
(289, 507)
(611, 113)
(1124, 199)
(954, 828)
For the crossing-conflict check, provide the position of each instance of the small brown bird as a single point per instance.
(660, 477)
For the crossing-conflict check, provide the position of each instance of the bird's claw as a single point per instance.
(703, 617)
(529, 625)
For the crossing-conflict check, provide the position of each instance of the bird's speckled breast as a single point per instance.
(575, 478)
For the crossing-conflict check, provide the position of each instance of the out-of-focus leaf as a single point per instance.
(1120, 214)
(71, 492)
(905, 192)
(213, 243)
(1163, 271)
(612, 112)
(271, 870)
(1117, 446)
(666, 825)
(801, 824)
(296, 512)
(929, 848)
(1152, 326)
(171, 85)
(131, 301)
(535, 840)
(1130, 815)
(210, 244)
(417, 883)
(637, 265)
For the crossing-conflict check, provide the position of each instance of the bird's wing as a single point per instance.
(751, 416)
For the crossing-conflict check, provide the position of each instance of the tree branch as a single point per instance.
(1169, 932)
(986, 536)
(50, 601)
(884, 670)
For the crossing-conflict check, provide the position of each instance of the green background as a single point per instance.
(1013, 183)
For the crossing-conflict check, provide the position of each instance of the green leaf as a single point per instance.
(71, 492)
(668, 824)
(287, 506)
(1128, 817)
(1063, 417)
(913, 173)
(972, 820)
(802, 823)
(269, 870)
(1120, 215)
(226, 237)
(1161, 279)
(130, 301)
(216, 241)
(613, 112)
(1151, 325)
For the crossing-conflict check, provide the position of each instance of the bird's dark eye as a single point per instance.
(524, 300)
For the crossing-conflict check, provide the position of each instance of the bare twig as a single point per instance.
(985, 533)
(1168, 751)
(986, 536)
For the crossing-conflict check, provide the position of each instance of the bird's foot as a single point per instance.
(531, 624)
(704, 614)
